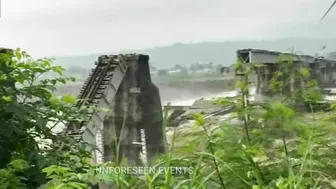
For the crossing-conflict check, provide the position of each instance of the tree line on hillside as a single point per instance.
(193, 69)
(81, 72)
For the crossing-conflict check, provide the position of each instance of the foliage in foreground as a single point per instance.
(273, 146)
(29, 112)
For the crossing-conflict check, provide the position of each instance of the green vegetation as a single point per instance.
(28, 112)
(274, 145)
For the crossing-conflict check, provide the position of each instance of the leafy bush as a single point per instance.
(29, 113)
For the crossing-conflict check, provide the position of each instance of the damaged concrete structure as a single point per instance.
(178, 115)
(322, 70)
(122, 84)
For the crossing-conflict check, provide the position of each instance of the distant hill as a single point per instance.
(217, 52)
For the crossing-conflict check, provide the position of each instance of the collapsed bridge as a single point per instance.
(322, 70)
(122, 84)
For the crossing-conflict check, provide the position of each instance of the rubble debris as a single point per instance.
(179, 115)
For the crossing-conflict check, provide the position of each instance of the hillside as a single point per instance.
(217, 52)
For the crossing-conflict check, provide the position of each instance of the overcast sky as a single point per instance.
(72, 27)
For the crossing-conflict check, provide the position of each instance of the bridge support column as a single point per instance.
(139, 100)
(152, 116)
(333, 73)
(263, 82)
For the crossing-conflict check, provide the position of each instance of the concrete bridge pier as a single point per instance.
(264, 76)
(136, 107)
(152, 115)
(330, 73)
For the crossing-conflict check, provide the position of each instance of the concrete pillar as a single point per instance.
(333, 72)
(259, 77)
(266, 77)
(292, 83)
(137, 106)
(116, 125)
(152, 115)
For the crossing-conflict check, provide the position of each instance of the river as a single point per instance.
(191, 100)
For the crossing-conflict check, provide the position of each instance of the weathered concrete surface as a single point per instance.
(136, 106)
(322, 70)
(152, 117)
(178, 115)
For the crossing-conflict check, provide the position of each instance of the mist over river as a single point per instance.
(187, 101)
(184, 100)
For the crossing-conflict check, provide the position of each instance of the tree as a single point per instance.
(28, 114)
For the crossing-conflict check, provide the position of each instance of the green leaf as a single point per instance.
(255, 187)
(69, 99)
(304, 72)
(55, 169)
(76, 185)
(57, 69)
(7, 98)
(199, 119)
(19, 164)
(73, 79)
(18, 54)
(60, 186)
(3, 77)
